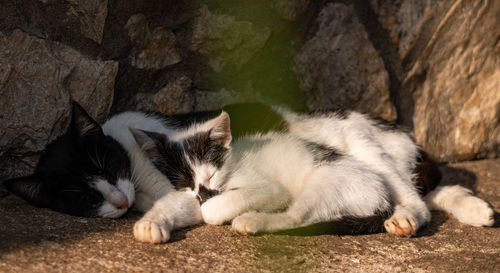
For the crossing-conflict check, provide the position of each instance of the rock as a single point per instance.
(227, 43)
(289, 9)
(178, 97)
(78, 23)
(37, 80)
(152, 49)
(91, 15)
(339, 66)
(405, 19)
(455, 84)
(175, 97)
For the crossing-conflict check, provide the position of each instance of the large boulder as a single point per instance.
(455, 83)
(38, 78)
(339, 66)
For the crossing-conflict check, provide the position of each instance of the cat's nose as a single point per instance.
(119, 200)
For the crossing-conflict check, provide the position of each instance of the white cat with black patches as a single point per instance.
(325, 168)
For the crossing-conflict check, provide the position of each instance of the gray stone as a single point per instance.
(152, 48)
(92, 16)
(225, 41)
(339, 66)
(38, 78)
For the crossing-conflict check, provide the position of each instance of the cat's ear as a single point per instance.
(29, 188)
(220, 129)
(82, 123)
(147, 141)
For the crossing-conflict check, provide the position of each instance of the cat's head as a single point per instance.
(83, 173)
(191, 159)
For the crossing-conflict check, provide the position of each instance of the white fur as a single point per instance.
(166, 208)
(281, 174)
(392, 154)
(460, 202)
(117, 199)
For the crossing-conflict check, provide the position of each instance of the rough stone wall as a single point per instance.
(433, 66)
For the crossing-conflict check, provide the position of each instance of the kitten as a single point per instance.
(326, 167)
(82, 173)
(99, 171)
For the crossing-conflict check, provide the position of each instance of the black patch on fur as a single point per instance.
(387, 125)
(428, 174)
(322, 153)
(171, 161)
(347, 225)
(202, 148)
(204, 194)
(62, 178)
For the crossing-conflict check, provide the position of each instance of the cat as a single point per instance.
(321, 168)
(83, 173)
(99, 171)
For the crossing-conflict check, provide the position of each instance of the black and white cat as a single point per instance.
(323, 168)
(92, 170)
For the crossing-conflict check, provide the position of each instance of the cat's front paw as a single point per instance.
(402, 226)
(150, 232)
(213, 213)
(405, 223)
(248, 223)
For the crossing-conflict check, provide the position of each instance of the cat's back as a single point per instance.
(118, 126)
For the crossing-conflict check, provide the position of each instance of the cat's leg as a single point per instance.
(410, 211)
(175, 210)
(460, 202)
(331, 192)
(226, 206)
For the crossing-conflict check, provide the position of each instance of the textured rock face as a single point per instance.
(435, 62)
(92, 16)
(457, 106)
(340, 67)
(289, 9)
(37, 80)
(225, 41)
(152, 48)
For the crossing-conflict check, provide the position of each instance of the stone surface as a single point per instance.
(339, 66)
(226, 42)
(405, 19)
(152, 48)
(92, 16)
(178, 97)
(289, 9)
(37, 80)
(455, 84)
(40, 240)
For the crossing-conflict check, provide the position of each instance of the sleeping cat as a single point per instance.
(99, 171)
(323, 168)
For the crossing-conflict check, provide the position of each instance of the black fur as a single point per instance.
(322, 153)
(202, 148)
(62, 176)
(171, 162)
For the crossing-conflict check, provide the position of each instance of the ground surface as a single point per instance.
(39, 240)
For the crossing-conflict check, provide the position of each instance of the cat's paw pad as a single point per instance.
(247, 224)
(475, 212)
(402, 226)
(150, 232)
